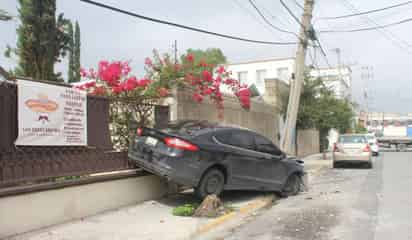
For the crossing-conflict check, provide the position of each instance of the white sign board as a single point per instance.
(50, 115)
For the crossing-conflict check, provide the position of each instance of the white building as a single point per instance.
(338, 80)
(256, 71)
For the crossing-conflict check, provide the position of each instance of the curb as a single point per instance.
(250, 207)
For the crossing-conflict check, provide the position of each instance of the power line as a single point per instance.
(385, 32)
(250, 13)
(368, 28)
(268, 22)
(325, 57)
(275, 18)
(291, 13)
(298, 4)
(367, 12)
(184, 26)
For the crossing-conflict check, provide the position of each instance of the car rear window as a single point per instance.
(352, 139)
(187, 127)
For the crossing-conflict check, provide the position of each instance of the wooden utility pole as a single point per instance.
(297, 81)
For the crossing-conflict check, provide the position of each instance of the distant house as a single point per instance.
(339, 80)
(4, 75)
(256, 72)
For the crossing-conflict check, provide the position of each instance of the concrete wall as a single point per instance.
(307, 142)
(26, 212)
(262, 118)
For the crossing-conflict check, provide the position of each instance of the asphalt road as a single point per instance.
(346, 203)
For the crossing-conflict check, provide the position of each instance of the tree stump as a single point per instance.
(211, 206)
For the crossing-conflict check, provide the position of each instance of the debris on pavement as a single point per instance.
(211, 206)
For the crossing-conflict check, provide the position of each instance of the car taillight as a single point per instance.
(367, 148)
(335, 148)
(180, 144)
(139, 132)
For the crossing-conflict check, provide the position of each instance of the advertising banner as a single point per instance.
(50, 115)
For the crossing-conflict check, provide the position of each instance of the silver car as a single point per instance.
(352, 148)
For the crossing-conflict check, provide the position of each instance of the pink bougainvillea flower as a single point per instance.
(244, 97)
(117, 89)
(197, 97)
(218, 79)
(110, 73)
(83, 72)
(148, 62)
(125, 68)
(144, 82)
(130, 84)
(163, 92)
(102, 67)
(99, 91)
(221, 70)
(207, 76)
(207, 91)
(92, 73)
(189, 58)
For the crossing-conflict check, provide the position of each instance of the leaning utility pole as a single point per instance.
(297, 80)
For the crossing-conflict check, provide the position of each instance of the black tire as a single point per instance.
(212, 182)
(292, 186)
(334, 165)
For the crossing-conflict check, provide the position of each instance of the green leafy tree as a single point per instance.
(70, 72)
(320, 109)
(76, 53)
(210, 56)
(41, 39)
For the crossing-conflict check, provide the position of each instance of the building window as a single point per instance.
(260, 79)
(242, 77)
(283, 74)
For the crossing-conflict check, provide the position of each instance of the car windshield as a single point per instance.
(352, 139)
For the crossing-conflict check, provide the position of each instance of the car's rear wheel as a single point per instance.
(212, 182)
(292, 186)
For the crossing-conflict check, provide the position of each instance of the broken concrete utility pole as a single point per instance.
(297, 81)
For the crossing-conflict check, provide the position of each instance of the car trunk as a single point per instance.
(156, 146)
(351, 148)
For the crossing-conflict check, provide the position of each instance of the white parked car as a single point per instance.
(373, 142)
(352, 148)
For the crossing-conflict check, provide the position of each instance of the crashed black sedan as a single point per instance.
(212, 157)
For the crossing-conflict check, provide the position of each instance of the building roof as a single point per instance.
(259, 61)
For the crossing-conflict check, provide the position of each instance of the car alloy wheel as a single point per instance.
(292, 185)
(212, 182)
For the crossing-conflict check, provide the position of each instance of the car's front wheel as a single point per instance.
(292, 186)
(212, 182)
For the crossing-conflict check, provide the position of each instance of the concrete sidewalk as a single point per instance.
(134, 222)
(153, 220)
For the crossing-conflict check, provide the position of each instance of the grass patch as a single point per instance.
(185, 210)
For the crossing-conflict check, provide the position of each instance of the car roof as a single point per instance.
(199, 127)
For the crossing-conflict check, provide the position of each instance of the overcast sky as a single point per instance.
(112, 36)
